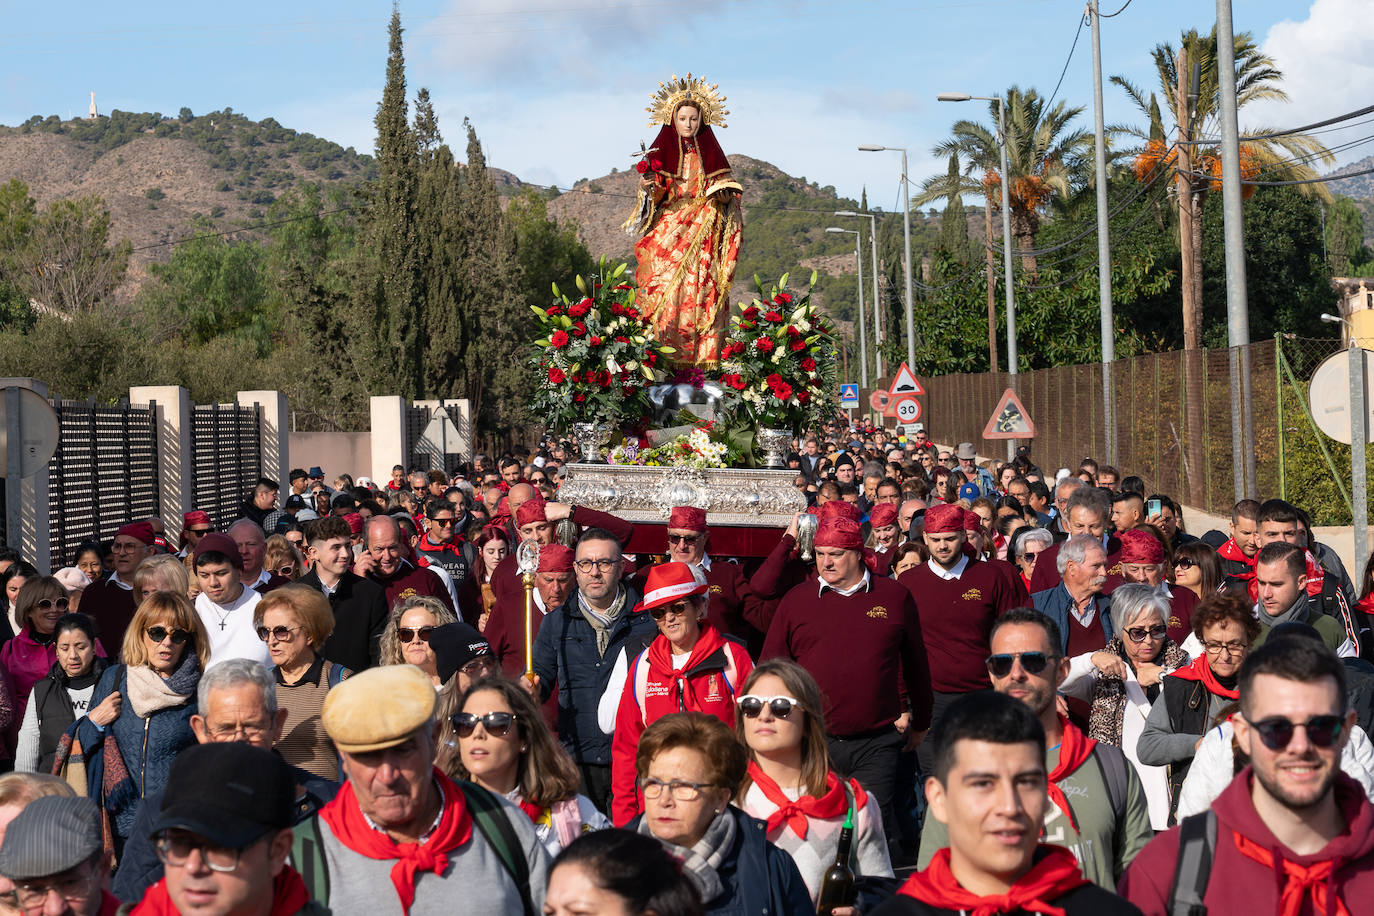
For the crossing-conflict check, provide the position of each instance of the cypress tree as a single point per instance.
(954, 222)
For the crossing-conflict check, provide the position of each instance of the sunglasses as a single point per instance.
(1277, 732)
(199, 531)
(158, 634)
(1140, 634)
(677, 607)
(443, 522)
(47, 604)
(686, 539)
(409, 634)
(286, 570)
(780, 707)
(497, 724)
(1031, 662)
(1183, 563)
(280, 634)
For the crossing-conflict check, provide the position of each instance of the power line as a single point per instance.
(1062, 72)
(1117, 13)
(1269, 135)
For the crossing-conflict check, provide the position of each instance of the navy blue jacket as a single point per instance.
(759, 878)
(1055, 603)
(565, 655)
(139, 866)
(148, 746)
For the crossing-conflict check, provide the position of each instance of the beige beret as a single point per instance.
(379, 708)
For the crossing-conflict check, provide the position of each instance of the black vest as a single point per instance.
(1187, 703)
(53, 706)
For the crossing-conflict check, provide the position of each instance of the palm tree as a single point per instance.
(1195, 162)
(1045, 157)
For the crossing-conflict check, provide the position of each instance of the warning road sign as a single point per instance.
(849, 395)
(904, 382)
(1010, 420)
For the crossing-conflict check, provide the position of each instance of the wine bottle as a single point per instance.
(837, 887)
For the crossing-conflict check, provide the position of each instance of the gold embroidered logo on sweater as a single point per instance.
(973, 594)
(877, 611)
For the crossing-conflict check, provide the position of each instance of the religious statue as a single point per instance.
(689, 222)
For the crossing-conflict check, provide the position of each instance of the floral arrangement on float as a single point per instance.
(779, 361)
(595, 358)
(703, 447)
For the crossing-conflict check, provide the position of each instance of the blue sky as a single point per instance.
(557, 88)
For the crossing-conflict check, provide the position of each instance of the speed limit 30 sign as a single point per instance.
(906, 409)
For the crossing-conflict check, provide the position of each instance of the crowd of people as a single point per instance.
(1035, 693)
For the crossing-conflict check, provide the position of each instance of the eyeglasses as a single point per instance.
(1183, 563)
(47, 604)
(999, 665)
(280, 634)
(174, 847)
(158, 634)
(250, 730)
(1277, 732)
(68, 887)
(478, 667)
(409, 634)
(1230, 648)
(663, 610)
(1140, 634)
(497, 724)
(602, 565)
(687, 540)
(780, 707)
(680, 789)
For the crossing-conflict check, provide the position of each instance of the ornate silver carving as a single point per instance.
(592, 439)
(527, 557)
(806, 535)
(732, 496)
(774, 443)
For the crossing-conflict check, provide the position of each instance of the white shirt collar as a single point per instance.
(955, 572)
(861, 585)
(114, 577)
(705, 563)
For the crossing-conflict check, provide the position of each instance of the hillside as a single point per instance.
(1361, 187)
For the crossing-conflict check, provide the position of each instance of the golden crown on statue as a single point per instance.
(694, 89)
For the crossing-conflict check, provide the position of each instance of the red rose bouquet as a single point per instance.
(779, 357)
(596, 354)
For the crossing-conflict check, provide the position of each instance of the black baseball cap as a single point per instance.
(230, 793)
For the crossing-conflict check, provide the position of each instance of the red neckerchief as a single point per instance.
(1074, 750)
(795, 813)
(1315, 574)
(345, 819)
(1055, 875)
(288, 896)
(1229, 551)
(1303, 880)
(660, 654)
(534, 812)
(1199, 670)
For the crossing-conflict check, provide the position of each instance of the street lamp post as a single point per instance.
(859, 263)
(1006, 230)
(877, 324)
(1358, 434)
(906, 248)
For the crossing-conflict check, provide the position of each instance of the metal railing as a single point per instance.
(227, 443)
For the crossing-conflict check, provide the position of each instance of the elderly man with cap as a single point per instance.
(402, 836)
(554, 582)
(223, 834)
(576, 651)
(53, 848)
(733, 607)
(958, 600)
(386, 562)
(110, 601)
(194, 525)
(858, 635)
(224, 604)
(968, 457)
(1142, 560)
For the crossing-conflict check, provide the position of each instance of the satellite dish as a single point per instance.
(35, 430)
(1329, 395)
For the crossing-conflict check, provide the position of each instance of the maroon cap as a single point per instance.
(141, 531)
(944, 518)
(217, 542)
(687, 518)
(883, 515)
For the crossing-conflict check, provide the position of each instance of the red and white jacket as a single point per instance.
(653, 689)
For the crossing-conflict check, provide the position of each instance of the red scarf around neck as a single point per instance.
(795, 813)
(534, 812)
(288, 896)
(345, 818)
(1310, 880)
(1074, 750)
(1055, 875)
(1199, 670)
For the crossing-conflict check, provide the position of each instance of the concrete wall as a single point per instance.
(335, 453)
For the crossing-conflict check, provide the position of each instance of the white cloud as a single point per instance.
(1326, 69)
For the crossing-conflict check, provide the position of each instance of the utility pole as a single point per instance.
(1104, 244)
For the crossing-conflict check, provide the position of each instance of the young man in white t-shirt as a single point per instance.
(225, 606)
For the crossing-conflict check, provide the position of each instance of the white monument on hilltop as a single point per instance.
(94, 112)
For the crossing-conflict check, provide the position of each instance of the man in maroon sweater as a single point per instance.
(110, 601)
(957, 601)
(1085, 513)
(535, 520)
(1293, 833)
(733, 607)
(860, 637)
(385, 562)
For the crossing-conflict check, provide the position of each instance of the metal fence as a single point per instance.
(1173, 420)
(417, 418)
(226, 441)
(103, 473)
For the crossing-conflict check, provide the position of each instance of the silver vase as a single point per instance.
(774, 443)
(592, 439)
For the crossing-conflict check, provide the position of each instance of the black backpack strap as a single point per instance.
(1197, 846)
(307, 857)
(490, 818)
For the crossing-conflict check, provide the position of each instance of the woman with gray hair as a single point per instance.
(1122, 679)
(1025, 546)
